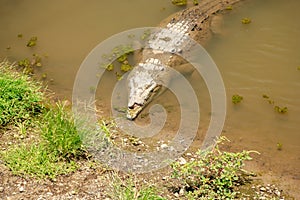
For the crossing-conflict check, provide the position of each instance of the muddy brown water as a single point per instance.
(260, 58)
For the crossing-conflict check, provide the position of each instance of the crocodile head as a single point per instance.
(143, 83)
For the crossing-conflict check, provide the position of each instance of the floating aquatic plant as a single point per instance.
(236, 98)
(281, 110)
(246, 20)
(122, 58)
(229, 7)
(279, 146)
(110, 67)
(126, 67)
(278, 109)
(32, 41)
(179, 2)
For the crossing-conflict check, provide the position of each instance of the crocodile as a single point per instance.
(151, 74)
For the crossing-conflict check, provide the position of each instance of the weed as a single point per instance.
(128, 189)
(213, 175)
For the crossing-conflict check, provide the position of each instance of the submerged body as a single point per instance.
(163, 50)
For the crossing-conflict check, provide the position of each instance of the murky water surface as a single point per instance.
(260, 58)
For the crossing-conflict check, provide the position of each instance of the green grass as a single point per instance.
(129, 189)
(20, 98)
(57, 151)
(22, 104)
(60, 133)
(35, 161)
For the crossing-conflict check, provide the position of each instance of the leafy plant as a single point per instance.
(212, 175)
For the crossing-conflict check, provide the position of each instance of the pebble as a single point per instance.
(164, 146)
(181, 191)
(73, 192)
(21, 189)
(1, 189)
(262, 189)
(181, 161)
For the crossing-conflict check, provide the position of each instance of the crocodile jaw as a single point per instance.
(143, 83)
(132, 113)
(135, 108)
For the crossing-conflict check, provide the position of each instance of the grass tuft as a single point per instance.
(35, 161)
(129, 189)
(20, 98)
(59, 131)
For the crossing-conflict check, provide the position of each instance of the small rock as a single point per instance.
(181, 161)
(1, 189)
(164, 146)
(181, 191)
(21, 189)
(262, 189)
(73, 192)
(49, 193)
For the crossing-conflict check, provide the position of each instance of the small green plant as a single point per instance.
(229, 7)
(110, 67)
(59, 130)
(279, 146)
(179, 2)
(126, 67)
(35, 161)
(195, 2)
(246, 20)
(128, 189)
(281, 110)
(32, 41)
(28, 65)
(236, 99)
(278, 109)
(212, 175)
(20, 98)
